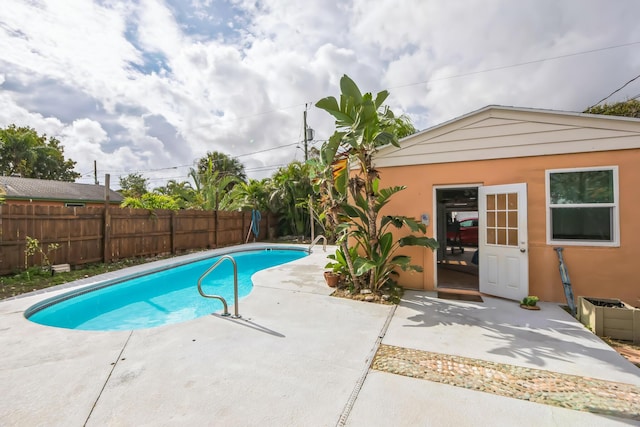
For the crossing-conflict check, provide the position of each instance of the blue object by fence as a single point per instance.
(255, 222)
(566, 282)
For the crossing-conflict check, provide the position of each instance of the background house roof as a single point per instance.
(41, 189)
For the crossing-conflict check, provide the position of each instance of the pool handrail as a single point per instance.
(324, 243)
(235, 286)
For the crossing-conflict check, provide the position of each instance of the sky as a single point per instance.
(151, 86)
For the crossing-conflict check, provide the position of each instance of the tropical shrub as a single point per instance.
(354, 203)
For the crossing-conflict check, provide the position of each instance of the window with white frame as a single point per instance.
(583, 206)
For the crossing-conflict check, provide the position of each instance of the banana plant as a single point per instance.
(379, 261)
(363, 124)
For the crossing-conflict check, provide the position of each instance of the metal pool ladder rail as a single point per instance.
(235, 286)
(324, 243)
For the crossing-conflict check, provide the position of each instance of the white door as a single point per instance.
(502, 240)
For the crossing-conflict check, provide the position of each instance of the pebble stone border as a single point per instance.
(535, 385)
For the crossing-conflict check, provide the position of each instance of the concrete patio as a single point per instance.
(298, 357)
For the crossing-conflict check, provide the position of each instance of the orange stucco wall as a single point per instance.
(610, 272)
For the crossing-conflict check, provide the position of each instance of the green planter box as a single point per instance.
(610, 318)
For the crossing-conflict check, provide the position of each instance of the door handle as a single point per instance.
(523, 250)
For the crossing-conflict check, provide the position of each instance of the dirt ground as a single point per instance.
(627, 349)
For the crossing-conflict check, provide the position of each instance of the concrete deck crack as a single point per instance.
(356, 390)
(113, 367)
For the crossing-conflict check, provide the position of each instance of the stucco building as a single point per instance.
(537, 180)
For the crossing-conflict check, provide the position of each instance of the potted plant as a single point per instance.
(530, 303)
(332, 278)
(338, 267)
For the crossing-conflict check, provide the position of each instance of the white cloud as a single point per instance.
(152, 91)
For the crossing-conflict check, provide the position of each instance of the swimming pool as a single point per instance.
(159, 298)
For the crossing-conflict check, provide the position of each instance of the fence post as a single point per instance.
(242, 231)
(173, 232)
(215, 228)
(106, 239)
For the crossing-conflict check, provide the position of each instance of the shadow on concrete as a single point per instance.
(247, 323)
(500, 327)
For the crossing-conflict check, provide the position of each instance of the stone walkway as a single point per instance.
(535, 385)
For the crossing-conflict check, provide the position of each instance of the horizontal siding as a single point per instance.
(604, 139)
(491, 122)
(505, 133)
(505, 130)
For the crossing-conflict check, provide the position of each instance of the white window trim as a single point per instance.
(615, 213)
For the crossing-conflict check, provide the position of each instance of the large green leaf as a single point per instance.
(340, 181)
(362, 265)
(386, 193)
(361, 202)
(381, 97)
(349, 88)
(427, 242)
(393, 220)
(386, 243)
(375, 185)
(330, 148)
(354, 212)
(342, 229)
(401, 260)
(330, 105)
(385, 138)
(415, 225)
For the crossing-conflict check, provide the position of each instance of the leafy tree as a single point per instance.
(151, 201)
(225, 165)
(630, 108)
(211, 189)
(290, 190)
(133, 185)
(25, 153)
(250, 195)
(363, 125)
(182, 192)
(402, 126)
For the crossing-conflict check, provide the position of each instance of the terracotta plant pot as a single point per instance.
(331, 278)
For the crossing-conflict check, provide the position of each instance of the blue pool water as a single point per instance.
(160, 298)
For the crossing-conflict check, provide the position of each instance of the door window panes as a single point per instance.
(502, 219)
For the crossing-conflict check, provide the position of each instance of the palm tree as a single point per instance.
(225, 165)
(211, 189)
(289, 198)
(250, 195)
(182, 192)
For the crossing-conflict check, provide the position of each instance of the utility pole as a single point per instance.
(306, 151)
(95, 172)
(308, 135)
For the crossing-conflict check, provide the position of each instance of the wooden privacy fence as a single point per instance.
(95, 234)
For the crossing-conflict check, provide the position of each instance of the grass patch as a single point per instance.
(35, 278)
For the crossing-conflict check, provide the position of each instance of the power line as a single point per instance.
(470, 73)
(267, 149)
(617, 90)
(118, 172)
(502, 67)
